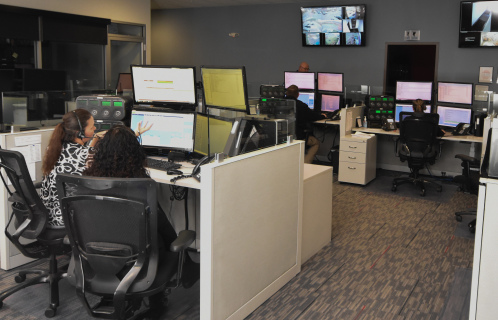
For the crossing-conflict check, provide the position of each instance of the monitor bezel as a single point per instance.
(409, 81)
(162, 103)
(341, 101)
(466, 107)
(428, 110)
(314, 80)
(166, 110)
(314, 97)
(244, 81)
(452, 102)
(318, 82)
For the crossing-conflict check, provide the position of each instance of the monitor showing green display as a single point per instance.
(211, 134)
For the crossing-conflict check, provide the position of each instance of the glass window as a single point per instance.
(125, 29)
(84, 63)
(17, 53)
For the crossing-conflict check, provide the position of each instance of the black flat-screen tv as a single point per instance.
(478, 24)
(333, 26)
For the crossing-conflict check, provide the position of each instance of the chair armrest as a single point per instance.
(183, 241)
(466, 158)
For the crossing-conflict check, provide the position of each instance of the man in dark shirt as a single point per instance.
(304, 119)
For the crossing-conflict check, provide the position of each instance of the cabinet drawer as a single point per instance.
(354, 157)
(353, 146)
(352, 172)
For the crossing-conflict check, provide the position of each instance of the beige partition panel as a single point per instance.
(250, 229)
(29, 143)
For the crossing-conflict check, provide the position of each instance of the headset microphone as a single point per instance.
(81, 132)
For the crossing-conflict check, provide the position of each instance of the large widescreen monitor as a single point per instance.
(478, 25)
(303, 80)
(333, 25)
(451, 116)
(308, 98)
(330, 103)
(164, 85)
(454, 92)
(413, 90)
(225, 88)
(330, 81)
(173, 130)
(407, 108)
(211, 134)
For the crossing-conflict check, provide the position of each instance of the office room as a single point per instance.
(392, 255)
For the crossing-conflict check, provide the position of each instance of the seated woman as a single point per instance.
(67, 152)
(419, 106)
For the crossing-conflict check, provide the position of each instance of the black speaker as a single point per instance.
(104, 107)
(378, 109)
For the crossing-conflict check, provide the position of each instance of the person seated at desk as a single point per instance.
(303, 67)
(419, 106)
(304, 118)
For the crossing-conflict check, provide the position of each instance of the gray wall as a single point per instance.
(270, 40)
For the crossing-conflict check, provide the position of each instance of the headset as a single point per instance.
(81, 132)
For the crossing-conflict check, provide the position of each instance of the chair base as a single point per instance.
(416, 180)
(52, 277)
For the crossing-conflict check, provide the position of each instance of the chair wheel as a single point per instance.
(472, 229)
(20, 278)
(422, 192)
(50, 312)
(458, 218)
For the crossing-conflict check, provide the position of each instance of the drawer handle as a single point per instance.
(352, 147)
(352, 168)
(351, 157)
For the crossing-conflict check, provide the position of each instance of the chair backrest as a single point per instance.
(30, 212)
(111, 224)
(418, 135)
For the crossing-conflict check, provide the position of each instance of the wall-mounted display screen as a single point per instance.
(413, 90)
(478, 25)
(303, 80)
(308, 98)
(329, 81)
(453, 92)
(333, 25)
(330, 103)
(451, 117)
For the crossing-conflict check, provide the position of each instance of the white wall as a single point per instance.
(134, 11)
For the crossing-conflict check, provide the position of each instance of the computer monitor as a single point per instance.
(303, 80)
(124, 82)
(451, 116)
(329, 81)
(308, 98)
(173, 130)
(211, 134)
(164, 85)
(330, 103)
(407, 108)
(412, 90)
(455, 92)
(225, 88)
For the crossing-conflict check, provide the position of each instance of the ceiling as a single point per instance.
(177, 4)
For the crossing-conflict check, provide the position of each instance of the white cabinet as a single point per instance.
(484, 290)
(357, 159)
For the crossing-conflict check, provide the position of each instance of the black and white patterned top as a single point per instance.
(72, 160)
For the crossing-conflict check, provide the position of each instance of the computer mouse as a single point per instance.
(174, 172)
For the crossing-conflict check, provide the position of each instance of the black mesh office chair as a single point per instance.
(112, 228)
(419, 146)
(30, 218)
(468, 182)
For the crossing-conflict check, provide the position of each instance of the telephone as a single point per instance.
(461, 129)
(388, 124)
(196, 172)
(334, 115)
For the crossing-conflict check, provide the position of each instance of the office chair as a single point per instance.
(112, 228)
(419, 146)
(469, 182)
(30, 218)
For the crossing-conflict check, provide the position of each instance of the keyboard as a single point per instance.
(163, 165)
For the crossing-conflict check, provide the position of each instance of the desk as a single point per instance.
(250, 227)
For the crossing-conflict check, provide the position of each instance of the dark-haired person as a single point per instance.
(67, 152)
(118, 154)
(419, 107)
(304, 118)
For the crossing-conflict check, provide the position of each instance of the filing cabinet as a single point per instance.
(357, 158)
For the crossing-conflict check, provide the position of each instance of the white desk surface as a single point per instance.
(329, 122)
(162, 177)
(448, 137)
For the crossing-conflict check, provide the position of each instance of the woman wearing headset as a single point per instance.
(67, 152)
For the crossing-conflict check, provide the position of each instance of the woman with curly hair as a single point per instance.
(67, 152)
